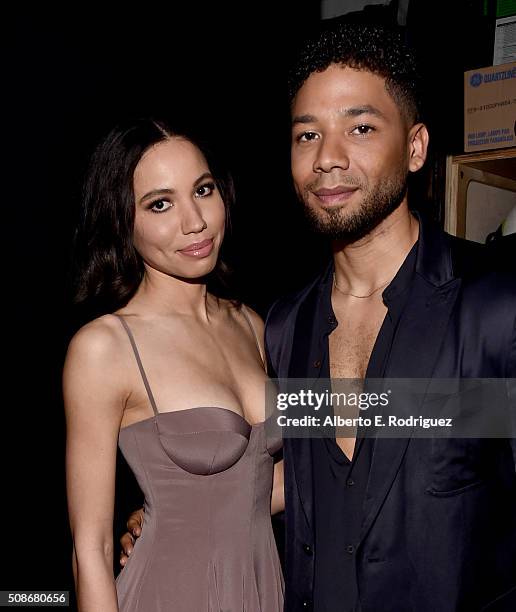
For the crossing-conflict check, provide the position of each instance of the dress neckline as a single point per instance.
(183, 410)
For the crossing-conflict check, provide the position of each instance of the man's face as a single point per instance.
(350, 151)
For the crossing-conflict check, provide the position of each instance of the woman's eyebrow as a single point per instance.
(203, 177)
(170, 191)
(156, 192)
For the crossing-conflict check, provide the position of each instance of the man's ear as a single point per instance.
(418, 146)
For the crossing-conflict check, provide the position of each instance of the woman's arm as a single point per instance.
(278, 493)
(93, 410)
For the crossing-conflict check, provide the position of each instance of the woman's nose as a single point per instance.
(192, 221)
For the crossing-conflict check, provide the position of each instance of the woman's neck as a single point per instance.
(165, 295)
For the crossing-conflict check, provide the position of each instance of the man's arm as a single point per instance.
(511, 381)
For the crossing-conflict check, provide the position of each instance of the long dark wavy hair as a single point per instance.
(106, 268)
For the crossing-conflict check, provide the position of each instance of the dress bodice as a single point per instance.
(203, 440)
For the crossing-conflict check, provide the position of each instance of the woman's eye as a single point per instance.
(205, 190)
(306, 136)
(159, 206)
(362, 130)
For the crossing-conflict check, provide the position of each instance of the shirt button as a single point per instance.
(307, 548)
(307, 604)
(350, 549)
(331, 319)
(350, 482)
(317, 363)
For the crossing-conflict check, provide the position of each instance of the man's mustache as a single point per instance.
(330, 183)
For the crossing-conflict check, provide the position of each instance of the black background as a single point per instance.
(69, 75)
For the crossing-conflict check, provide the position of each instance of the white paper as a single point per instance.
(505, 41)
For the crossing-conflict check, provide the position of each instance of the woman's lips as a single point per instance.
(337, 195)
(198, 249)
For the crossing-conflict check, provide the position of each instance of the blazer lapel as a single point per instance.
(415, 350)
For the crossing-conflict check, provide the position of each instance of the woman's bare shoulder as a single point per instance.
(256, 320)
(241, 314)
(96, 365)
(98, 340)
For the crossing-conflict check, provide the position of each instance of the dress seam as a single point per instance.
(271, 544)
(212, 570)
(151, 546)
(219, 442)
(252, 522)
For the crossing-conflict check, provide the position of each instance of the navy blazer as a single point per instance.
(439, 526)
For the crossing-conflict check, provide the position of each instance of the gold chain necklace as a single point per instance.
(357, 296)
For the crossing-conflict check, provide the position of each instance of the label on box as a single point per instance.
(490, 107)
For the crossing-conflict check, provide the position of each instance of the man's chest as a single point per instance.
(351, 342)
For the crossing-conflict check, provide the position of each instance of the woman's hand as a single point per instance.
(134, 530)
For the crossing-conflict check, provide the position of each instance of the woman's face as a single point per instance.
(180, 216)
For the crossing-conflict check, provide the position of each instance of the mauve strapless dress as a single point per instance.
(207, 543)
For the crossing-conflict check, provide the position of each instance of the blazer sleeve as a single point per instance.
(511, 382)
(277, 337)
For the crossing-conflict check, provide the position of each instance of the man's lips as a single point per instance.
(198, 249)
(334, 195)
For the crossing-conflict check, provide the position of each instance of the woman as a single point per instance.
(176, 376)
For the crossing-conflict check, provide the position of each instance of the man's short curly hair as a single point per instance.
(376, 48)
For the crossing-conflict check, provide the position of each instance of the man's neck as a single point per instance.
(362, 266)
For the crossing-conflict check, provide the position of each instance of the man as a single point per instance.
(388, 524)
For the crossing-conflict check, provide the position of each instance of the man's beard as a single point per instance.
(377, 205)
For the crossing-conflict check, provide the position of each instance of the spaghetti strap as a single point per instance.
(139, 362)
(246, 314)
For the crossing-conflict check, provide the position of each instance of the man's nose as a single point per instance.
(332, 153)
(192, 220)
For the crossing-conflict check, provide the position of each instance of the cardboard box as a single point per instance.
(490, 108)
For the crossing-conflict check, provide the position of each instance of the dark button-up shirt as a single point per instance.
(340, 484)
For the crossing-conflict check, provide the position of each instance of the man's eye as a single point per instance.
(205, 190)
(159, 206)
(362, 130)
(306, 136)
